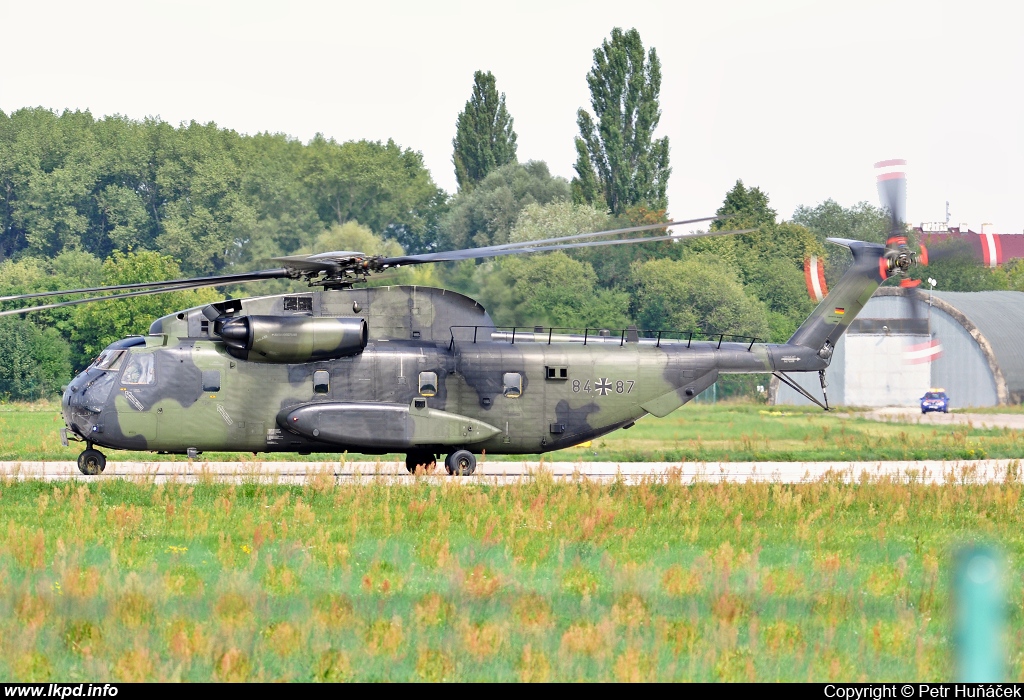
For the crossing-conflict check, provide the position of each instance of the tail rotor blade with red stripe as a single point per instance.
(912, 296)
(919, 353)
(814, 276)
(892, 192)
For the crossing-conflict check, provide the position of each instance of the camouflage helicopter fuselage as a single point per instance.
(431, 374)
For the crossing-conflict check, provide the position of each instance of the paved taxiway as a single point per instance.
(893, 414)
(927, 471)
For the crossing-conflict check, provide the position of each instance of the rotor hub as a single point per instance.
(901, 263)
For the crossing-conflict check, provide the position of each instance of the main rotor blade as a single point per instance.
(145, 292)
(339, 261)
(612, 232)
(202, 281)
(621, 241)
(476, 252)
(491, 251)
(325, 262)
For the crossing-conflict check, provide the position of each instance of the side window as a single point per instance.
(211, 380)
(138, 370)
(512, 383)
(428, 383)
(321, 381)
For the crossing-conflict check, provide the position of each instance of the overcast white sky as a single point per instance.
(796, 97)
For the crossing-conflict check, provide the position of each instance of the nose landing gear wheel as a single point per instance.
(91, 462)
(420, 462)
(460, 463)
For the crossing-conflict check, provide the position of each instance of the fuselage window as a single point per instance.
(512, 383)
(556, 372)
(298, 303)
(138, 370)
(211, 380)
(428, 383)
(321, 381)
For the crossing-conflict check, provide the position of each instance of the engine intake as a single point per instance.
(292, 339)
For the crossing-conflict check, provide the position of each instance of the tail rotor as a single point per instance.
(892, 193)
(900, 258)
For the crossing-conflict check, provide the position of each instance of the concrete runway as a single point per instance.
(927, 471)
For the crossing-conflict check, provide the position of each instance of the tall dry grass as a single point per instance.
(534, 581)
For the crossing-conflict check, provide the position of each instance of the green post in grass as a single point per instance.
(978, 594)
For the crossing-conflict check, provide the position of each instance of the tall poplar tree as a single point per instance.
(617, 159)
(484, 138)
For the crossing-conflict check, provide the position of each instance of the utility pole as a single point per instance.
(931, 287)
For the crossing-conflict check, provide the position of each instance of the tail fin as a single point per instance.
(830, 319)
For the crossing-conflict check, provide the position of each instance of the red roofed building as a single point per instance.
(992, 249)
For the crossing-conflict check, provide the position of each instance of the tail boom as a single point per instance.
(830, 319)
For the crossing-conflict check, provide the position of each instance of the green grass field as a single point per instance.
(131, 581)
(697, 432)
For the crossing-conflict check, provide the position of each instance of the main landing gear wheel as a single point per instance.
(91, 462)
(420, 462)
(460, 463)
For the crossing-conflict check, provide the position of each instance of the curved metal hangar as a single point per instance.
(969, 343)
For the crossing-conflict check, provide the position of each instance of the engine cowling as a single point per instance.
(289, 340)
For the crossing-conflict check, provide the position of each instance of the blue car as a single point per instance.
(935, 400)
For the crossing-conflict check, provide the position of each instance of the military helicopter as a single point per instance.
(410, 369)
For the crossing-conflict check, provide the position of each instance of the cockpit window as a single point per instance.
(138, 370)
(109, 359)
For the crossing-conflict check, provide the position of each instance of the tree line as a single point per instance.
(86, 201)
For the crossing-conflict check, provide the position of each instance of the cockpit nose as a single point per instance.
(65, 399)
(83, 401)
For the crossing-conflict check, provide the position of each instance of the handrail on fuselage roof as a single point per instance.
(556, 334)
